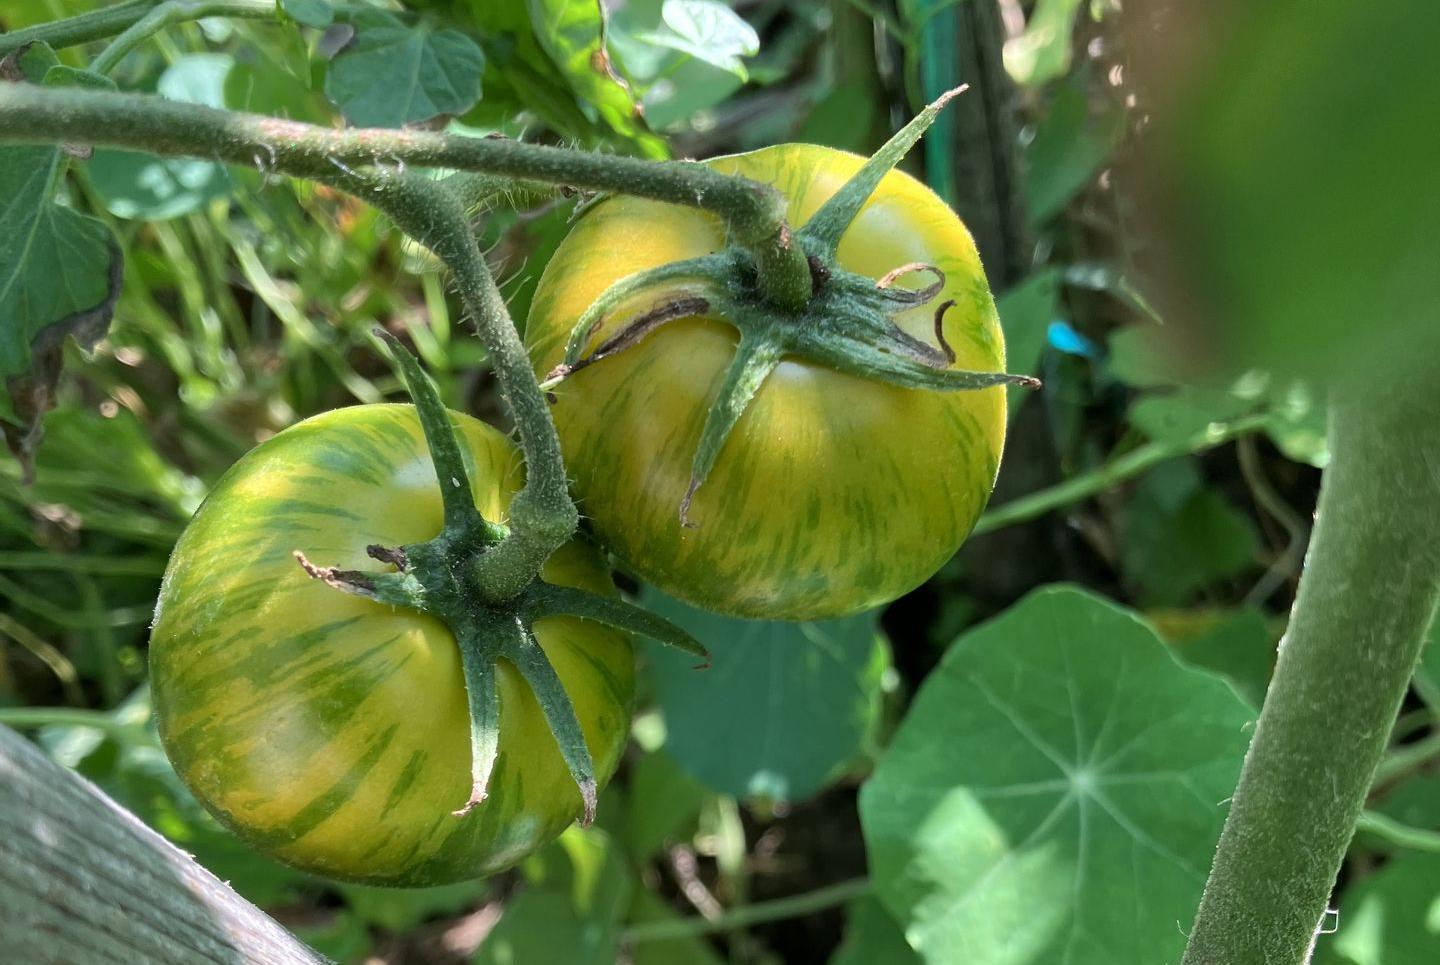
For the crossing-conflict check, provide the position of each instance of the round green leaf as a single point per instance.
(1055, 792)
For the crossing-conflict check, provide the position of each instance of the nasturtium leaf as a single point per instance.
(782, 707)
(707, 30)
(310, 13)
(393, 74)
(1391, 917)
(60, 274)
(573, 34)
(146, 188)
(872, 937)
(1055, 792)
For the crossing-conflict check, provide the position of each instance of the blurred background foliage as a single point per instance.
(1185, 496)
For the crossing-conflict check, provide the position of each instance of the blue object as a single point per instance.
(1062, 336)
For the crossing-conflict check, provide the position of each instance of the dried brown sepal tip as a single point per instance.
(589, 797)
(350, 581)
(477, 796)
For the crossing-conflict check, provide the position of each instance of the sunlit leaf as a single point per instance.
(1055, 792)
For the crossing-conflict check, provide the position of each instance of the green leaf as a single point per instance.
(872, 937)
(1181, 536)
(573, 34)
(310, 13)
(1054, 792)
(663, 801)
(392, 74)
(1238, 645)
(782, 707)
(1391, 917)
(707, 30)
(1026, 312)
(402, 909)
(142, 187)
(1070, 145)
(578, 891)
(1176, 416)
(1042, 52)
(60, 274)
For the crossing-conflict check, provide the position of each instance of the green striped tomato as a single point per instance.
(332, 731)
(833, 494)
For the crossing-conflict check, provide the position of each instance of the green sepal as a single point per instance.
(755, 358)
(524, 652)
(821, 234)
(461, 516)
(546, 600)
(477, 661)
(703, 268)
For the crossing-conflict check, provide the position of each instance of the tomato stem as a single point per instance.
(1342, 672)
(754, 213)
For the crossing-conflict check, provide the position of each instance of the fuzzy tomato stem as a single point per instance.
(1368, 594)
(542, 515)
(753, 212)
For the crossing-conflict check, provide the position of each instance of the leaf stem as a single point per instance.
(168, 14)
(1367, 595)
(79, 29)
(26, 717)
(748, 915)
(753, 212)
(1133, 463)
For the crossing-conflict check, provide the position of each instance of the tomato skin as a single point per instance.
(833, 494)
(332, 731)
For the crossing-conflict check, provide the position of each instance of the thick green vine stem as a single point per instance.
(441, 577)
(1369, 591)
(754, 213)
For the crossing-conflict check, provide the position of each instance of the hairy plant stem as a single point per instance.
(1368, 594)
(754, 213)
(542, 516)
(80, 29)
(173, 12)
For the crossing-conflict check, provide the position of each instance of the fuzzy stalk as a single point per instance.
(1368, 594)
(754, 213)
(542, 516)
(79, 29)
(170, 13)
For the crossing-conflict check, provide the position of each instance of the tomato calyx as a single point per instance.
(848, 324)
(437, 577)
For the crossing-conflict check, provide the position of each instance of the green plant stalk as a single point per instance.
(542, 515)
(1366, 599)
(1133, 463)
(80, 29)
(754, 213)
(24, 717)
(173, 12)
(747, 915)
